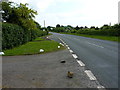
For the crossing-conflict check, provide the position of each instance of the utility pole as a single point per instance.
(110, 24)
(44, 23)
(44, 26)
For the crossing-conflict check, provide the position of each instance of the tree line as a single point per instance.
(18, 24)
(106, 30)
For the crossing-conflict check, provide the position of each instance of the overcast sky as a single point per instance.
(74, 12)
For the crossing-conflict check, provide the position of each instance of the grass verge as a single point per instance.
(33, 47)
(110, 38)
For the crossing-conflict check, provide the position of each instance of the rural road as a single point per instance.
(100, 56)
(44, 71)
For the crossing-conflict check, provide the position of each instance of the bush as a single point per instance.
(59, 29)
(105, 32)
(13, 35)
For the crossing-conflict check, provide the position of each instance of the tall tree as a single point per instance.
(19, 14)
(58, 25)
(77, 28)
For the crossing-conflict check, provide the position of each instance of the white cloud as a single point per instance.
(82, 12)
(20, 1)
(44, 4)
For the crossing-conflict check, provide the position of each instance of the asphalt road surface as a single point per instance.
(44, 71)
(100, 56)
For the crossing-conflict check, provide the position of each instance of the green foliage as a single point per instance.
(6, 7)
(14, 35)
(34, 47)
(22, 29)
(105, 30)
(58, 25)
(110, 38)
(37, 25)
(59, 29)
(77, 28)
(49, 28)
(19, 14)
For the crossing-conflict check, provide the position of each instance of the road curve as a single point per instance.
(100, 56)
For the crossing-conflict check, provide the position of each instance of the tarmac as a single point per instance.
(44, 71)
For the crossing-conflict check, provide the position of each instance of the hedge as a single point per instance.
(14, 35)
(105, 32)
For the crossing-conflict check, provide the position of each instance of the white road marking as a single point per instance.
(61, 44)
(95, 45)
(71, 51)
(68, 47)
(90, 75)
(62, 41)
(80, 63)
(88, 72)
(75, 56)
(100, 87)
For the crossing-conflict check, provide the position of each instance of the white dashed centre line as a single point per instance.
(80, 63)
(88, 72)
(71, 51)
(68, 47)
(75, 56)
(100, 87)
(95, 45)
(90, 75)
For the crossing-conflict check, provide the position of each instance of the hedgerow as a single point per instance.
(14, 35)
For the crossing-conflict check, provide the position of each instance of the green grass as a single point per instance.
(39, 39)
(110, 38)
(34, 47)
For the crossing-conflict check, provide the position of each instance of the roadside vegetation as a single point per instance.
(33, 47)
(18, 25)
(110, 38)
(105, 32)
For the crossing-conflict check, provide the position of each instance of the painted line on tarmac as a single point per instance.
(90, 75)
(81, 63)
(67, 45)
(75, 56)
(68, 48)
(61, 44)
(100, 86)
(95, 45)
(88, 72)
(70, 51)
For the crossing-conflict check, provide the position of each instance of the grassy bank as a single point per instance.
(110, 38)
(34, 47)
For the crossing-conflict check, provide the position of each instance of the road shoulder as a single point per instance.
(44, 71)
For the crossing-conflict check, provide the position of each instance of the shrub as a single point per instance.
(59, 29)
(14, 35)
